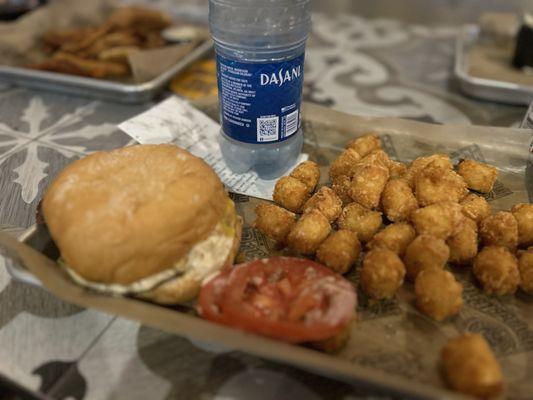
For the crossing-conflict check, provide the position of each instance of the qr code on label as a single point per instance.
(267, 129)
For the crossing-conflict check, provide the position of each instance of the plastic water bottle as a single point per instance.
(260, 47)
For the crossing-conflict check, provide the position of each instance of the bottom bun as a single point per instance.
(186, 287)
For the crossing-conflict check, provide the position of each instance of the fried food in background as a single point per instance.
(102, 51)
(290, 193)
(496, 268)
(339, 251)
(423, 253)
(327, 202)
(382, 274)
(274, 221)
(523, 214)
(478, 176)
(360, 220)
(463, 244)
(476, 207)
(395, 237)
(70, 64)
(470, 366)
(309, 232)
(438, 294)
(525, 267)
(440, 219)
(398, 200)
(500, 229)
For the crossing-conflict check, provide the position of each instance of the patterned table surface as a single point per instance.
(356, 65)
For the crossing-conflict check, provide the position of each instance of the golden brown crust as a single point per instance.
(523, 213)
(496, 268)
(478, 176)
(130, 213)
(470, 366)
(339, 251)
(438, 294)
(308, 173)
(274, 221)
(423, 253)
(475, 207)
(500, 229)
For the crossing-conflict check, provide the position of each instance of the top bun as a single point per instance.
(124, 215)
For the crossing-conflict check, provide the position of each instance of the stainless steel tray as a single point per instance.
(488, 89)
(99, 88)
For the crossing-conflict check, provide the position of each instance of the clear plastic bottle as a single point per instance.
(260, 48)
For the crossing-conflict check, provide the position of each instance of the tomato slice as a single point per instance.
(290, 299)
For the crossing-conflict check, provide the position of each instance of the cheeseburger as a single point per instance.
(148, 220)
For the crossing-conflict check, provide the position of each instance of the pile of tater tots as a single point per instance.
(411, 220)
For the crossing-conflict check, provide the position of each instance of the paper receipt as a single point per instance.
(176, 121)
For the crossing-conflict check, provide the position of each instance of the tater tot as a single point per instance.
(470, 366)
(438, 294)
(274, 221)
(525, 266)
(478, 176)
(364, 144)
(308, 173)
(344, 164)
(423, 253)
(398, 200)
(476, 207)
(395, 237)
(437, 160)
(341, 187)
(367, 184)
(308, 232)
(463, 244)
(500, 229)
(382, 274)
(523, 214)
(376, 157)
(339, 251)
(290, 193)
(435, 184)
(496, 268)
(439, 219)
(327, 202)
(365, 223)
(397, 169)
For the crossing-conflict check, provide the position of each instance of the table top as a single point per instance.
(353, 64)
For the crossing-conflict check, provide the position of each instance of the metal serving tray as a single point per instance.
(99, 88)
(488, 89)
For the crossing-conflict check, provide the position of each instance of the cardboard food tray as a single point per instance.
(393, 348)
(493, 86)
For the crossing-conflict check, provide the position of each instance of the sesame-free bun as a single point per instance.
(120, 216)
